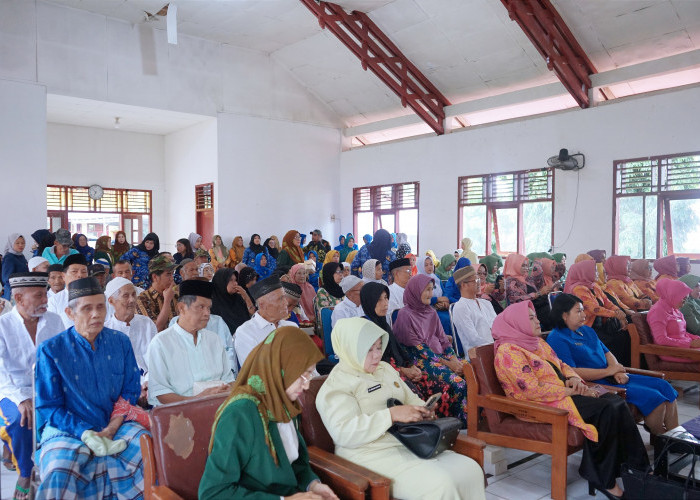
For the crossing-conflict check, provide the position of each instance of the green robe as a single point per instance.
(691, 313)
(240, 464)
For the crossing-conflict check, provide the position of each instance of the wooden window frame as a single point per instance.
(394, 210)
(203, 202)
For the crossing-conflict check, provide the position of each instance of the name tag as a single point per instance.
(374, 388)
(578, 343)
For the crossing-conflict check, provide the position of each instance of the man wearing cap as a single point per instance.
(318, 245)
(123, 269)
(473, 317)
(74, 268)
(292, 294)
(400, 270)
(350, 306)
(61, 249)
(186, 360)
(99, 272)
(56, 283)
(271, 314)
(38, 265)
(121, 295)
(160, 300)
(88, 448)
(25, 327)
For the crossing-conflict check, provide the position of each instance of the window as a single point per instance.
(657, 206)
(507, 212)
(72, 208)
(393, 207)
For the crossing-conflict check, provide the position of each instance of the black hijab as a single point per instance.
(255, 248)
(369, 296)
(44, 238)
(274, 252)
(380, 245)
(231, 307)
(156, 244)
(329, 283)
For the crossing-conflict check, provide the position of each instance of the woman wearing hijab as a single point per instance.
(80, 242)
(273, 252)
(218, 253)
(667, 267)
(666, 321)
(256, 450)
(493, 263)
(13, 261)
(230, 300)
(352, 405)
(426, 266)
(291, 252)
(451, 289)
(467, 250)
(314, 275)
(183, 250)
(206, 271)
(44, 239)
(299, 275)
(261, 266)
(196, 241)
(618, 282)
(529, 370)
(418, 327)
(247, 277)
(235, 254)
(330, 292)
(691, 306)
(348, 247)
(518, 289)
(139, 256)
(341, 243)
(332, 256)
(367, 238)
(372, 272)
(254, 248)
(684, 266)
(121, 245)
(446, 267)
(350, 258)
(103, 250)
(608, 320)
(599, 257)
(559, 258)
(380, 249)
(578, 346)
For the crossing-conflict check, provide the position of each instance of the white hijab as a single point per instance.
(420, 264)
(9, 246)
(368, 272)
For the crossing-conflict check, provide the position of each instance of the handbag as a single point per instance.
(642, 484)
(426, 439)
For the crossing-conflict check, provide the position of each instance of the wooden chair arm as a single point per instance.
(648, 373)
(470, 447)
(527, 410)
(344, 482)
(375, 480)
(163, 493)
(677, 352)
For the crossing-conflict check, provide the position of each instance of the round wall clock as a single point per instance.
(96, 192)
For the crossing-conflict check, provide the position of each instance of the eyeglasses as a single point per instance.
(338, 271)
(306, 380)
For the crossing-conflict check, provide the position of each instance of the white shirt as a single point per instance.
(57, 304)
(6, 306)
(140, 330)
(175, 363)
(473, 319)
(217, 325)
(18, 352)
(346, 308)
(395, 298)
(253, 332)
(50, 293)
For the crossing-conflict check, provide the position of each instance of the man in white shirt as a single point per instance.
(272, 309)
(473, 317)
(350, 306)
(400, 270)
(56, 282)
(186, 360)
(121, 295)
(21, 330)
(74, 268)
(122, 269)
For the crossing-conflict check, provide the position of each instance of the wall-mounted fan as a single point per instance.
(565, 161)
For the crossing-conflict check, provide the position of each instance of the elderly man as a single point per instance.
(272, 309)
(160, 300)
(188, 269)
(56, 282)
(121, 295)
(21, 330)
(186, 360)
(38, 265)
(83, 376)
(473, 317)
(350, 306)
(99, 272)
(74, 268)
(123, 269)
(292, 294)
(400, 270)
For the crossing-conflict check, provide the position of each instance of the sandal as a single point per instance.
(21, 493)
(7, 462)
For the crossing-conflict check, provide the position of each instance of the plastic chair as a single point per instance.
(552, 297)
(326, 314)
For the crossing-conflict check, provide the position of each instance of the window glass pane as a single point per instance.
(685, 225)
(145, 225)
(408, 223)
(386, 221)
(474, 227)
(650, 205)
(630, 226)
(537, 226)
(94, 225)
(385, 200)
(505, 229)
(365, 225)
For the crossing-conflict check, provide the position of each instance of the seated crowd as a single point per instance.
(116, 330)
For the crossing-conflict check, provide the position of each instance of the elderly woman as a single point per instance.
(229, 300)
(235, 253)
(608, 320)
(139, 257)
(380, 248)
(13, 261)
(353, 405)
(520, 288)
(418, 327)
(529, 370)
(618, 282)
(291, 252)
(218, 253)
(256, 450)
(262, 266)
(372, 272)
(578, 346)
(691, 306)
(299, 274)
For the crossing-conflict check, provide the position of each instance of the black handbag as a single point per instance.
(426, 439)
(641, 484)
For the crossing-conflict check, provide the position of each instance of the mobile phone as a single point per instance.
(433, 401)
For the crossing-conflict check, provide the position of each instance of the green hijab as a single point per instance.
(441, 271)
(690, 279)
(352, 339)
(489, 261)
(539, 255)
(558, 257)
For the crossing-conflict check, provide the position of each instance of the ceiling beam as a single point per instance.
(552, 38)
(379, 54)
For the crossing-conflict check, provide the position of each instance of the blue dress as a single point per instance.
(12, 264)
(583, 349)
(363, 256)
(139, 263)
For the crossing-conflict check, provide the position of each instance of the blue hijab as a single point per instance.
(263, 271)
(341, 240)
(367, 238)
(87, 251)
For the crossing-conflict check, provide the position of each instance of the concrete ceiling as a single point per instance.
(469, 49)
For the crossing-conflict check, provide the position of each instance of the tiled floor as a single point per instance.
(530, 480)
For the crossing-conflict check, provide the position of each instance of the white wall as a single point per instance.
(82, 156)
(646, 125)
(275, 176)
(191, 158)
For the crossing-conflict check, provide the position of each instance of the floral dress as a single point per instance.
(139, 263)
(323, 299)
(628, 293)
(648, 288)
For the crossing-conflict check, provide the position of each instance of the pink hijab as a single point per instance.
(547, 267)
(308, 294)
(513, 326)
(581, 273)
(672, 291)
(598, 255)
(616, 267)
(512, 268)
(666, 265)
(418, 323)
